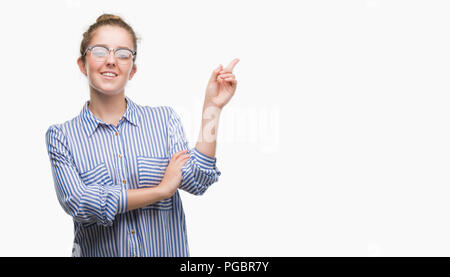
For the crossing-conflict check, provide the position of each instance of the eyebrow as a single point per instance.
(99, 44)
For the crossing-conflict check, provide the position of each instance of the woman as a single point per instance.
(117, 166)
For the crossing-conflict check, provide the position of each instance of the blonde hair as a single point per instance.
(102, 20)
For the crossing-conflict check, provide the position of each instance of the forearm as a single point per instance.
(206, 143)
(138, 198)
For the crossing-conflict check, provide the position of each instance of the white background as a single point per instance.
(336, 142)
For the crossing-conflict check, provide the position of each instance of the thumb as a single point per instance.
(215, 73)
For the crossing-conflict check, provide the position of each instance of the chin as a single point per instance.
(108, 90)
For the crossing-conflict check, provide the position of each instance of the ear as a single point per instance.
(82, 66)
(133, 71)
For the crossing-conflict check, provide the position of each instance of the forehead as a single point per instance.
(112, 36)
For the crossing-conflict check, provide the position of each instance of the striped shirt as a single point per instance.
(94, 163)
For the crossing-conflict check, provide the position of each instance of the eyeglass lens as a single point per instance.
(123, 56)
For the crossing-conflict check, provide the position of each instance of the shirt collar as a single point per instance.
(90, 122)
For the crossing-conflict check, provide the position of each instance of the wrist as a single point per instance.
(161, 191)
(209, 105)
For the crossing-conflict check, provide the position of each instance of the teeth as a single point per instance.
(109, 74)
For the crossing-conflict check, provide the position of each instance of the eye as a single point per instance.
(99, 51)
(123, 54)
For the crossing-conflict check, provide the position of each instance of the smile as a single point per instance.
(109, 75)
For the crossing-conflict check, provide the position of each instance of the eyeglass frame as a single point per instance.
(133, 52)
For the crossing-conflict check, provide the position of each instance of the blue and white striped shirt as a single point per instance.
(94, 163)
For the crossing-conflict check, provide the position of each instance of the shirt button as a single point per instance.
(116, 133)
(124, 181)
(120, 156)
(133, 232)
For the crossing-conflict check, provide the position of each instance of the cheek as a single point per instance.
(126, 71)
(92, 67)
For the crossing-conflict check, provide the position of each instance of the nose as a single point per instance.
(111, 58)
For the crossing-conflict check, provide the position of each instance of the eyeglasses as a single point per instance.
(100, 53)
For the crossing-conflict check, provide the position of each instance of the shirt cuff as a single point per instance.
(204, 161)
(123, 201)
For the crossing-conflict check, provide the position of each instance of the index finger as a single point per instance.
(231, 65)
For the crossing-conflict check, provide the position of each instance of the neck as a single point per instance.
(109, 109)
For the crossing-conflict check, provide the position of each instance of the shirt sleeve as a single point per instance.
(99, 201)
(200, 171)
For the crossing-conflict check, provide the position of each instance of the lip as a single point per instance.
(108, 77)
